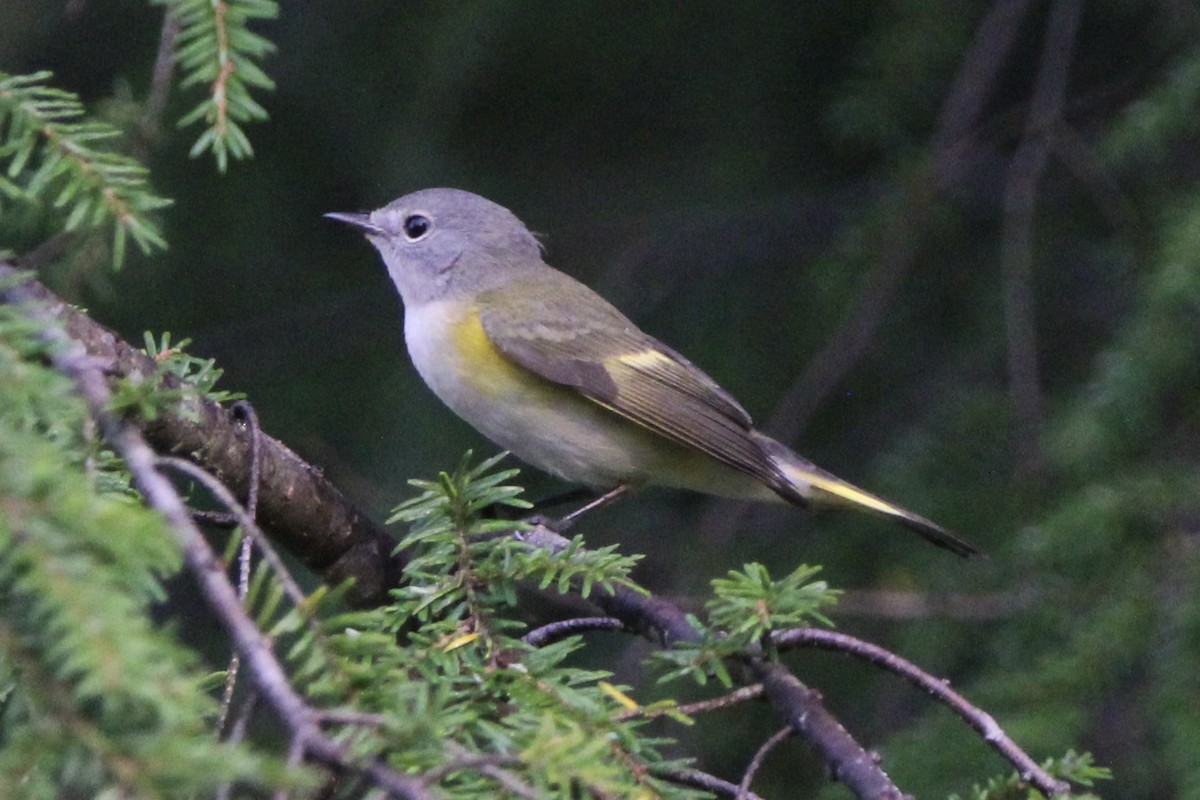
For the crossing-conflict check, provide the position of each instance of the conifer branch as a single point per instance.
(217, 49)
(299, 508)
(57, 157)
(798, 705)
(302, 721)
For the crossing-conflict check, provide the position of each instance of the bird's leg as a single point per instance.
(603, 500)
(562, 498)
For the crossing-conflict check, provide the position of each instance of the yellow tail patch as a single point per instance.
(842, 490)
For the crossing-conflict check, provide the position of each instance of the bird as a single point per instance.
(549, 370)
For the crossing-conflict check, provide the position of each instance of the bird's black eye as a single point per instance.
(416, 226)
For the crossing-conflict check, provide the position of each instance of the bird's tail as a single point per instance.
(810, 486)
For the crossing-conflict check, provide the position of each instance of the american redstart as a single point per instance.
(545, 367)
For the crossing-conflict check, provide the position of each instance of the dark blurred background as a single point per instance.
(836, 209)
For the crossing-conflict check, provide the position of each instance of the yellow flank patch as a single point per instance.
(472, 342)
(479, 362)
(644, 359)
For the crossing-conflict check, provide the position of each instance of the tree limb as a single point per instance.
(299, 508)
(71, 359)
(798, 705)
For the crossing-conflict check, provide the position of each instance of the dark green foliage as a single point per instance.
(462, 690)
(98, 697)
(200, 374)
(495, 561)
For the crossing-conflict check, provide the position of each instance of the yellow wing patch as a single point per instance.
(646, 359)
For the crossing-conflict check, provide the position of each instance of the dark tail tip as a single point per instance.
(932, 532)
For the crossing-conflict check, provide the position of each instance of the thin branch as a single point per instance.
(752, 768)
(1074, 153)
(246, 411)
(498, 774)
(701, 780)
(938, 688)
(972, 87)
(752, 691)
(802, 709)
(252, 531)
(465, 759)
(1020, 201)
(298, 508)
(231, 676)
(561, 629)
(160, 80)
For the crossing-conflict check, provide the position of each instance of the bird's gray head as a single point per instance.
(446, 241)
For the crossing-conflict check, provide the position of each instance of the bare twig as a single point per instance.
(1111, 200)
(465, 759)
(251, 530)
(497, 773)
(1020, 201)
(938, 688)
(801, 707)
(160, 80)
(972, 87)
(347, 717)
(701, 780)
(751, 692)
(243, 410)
(561, 629)
(752, 768)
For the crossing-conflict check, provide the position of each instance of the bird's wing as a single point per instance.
(591, 347)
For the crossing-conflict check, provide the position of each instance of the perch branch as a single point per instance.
(798, 705)
(299, 508)
(71, 359)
